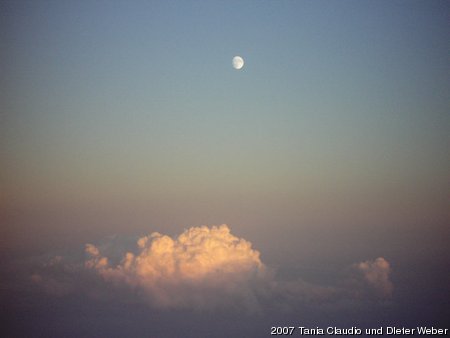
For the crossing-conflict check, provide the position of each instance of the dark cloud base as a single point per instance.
(55, 296)
(40, 315)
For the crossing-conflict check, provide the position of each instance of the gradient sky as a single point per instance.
(331, 145)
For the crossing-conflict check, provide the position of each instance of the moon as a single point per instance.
(238, 62)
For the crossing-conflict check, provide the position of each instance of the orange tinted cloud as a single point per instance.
(193, 269)
(203, 268)
(376, 274)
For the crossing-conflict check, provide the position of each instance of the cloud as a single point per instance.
(203, 268)
(55, 277)
(376, 274)
(200, 268)
(51, 286)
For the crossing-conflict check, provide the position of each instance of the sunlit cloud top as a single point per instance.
(200, 258)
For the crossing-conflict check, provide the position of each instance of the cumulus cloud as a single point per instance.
(203, 268)
(197, 268)
(376, 274)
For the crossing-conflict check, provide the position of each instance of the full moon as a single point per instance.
(238, 62)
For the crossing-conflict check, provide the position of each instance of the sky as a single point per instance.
(326, 156)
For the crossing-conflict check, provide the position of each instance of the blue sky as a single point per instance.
(140, 100)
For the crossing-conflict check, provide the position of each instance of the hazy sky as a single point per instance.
(331, 146)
